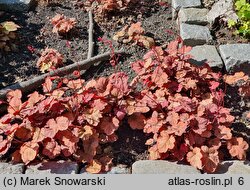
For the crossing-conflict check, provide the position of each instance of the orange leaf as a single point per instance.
(210, 158)
(237, 148)
(154, 123)
(75, 84)
(62, 123)
(94, 167)
(194, 158)
(51, 148)
(15, 105)
(107, 126)
(159, 77)
(135, 29)
(34, 98)
(233, 79)
(223, 132)
(68, 142)
(93, 116)
(136, 121)
(23, 133)
(29, 151)
(47, 86)
(84, 132)
(14, 94)
(165, 142)
(154, 153)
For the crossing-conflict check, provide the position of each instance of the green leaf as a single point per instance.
(231, 23)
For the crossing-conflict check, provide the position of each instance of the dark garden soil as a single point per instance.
(223, 35)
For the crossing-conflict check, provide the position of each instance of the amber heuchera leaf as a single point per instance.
(34, 98)
(154, 153)
(233, 79)
(136, 121)
(237, 147)
(51, 148)
(108, 126)
(194, 158)
(135, 29)
(210, 158)
(14, 94)
(165, 142)
(154, 123)
(47, 85)
(159, 77)
(93, 116)
(29, 151)
(94, 167)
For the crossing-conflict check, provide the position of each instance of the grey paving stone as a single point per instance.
(206, 54)
(53, 167)
(193, 35)
(193, 16)
(120, 169)
(177, 4)
(222, 8)
(6, 168)
(16, 5)
(236, 57)
(161, 167)
(234, 167)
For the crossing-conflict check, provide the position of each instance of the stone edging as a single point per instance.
(139, 167)
(192, 20)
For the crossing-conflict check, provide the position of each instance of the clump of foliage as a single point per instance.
(62, 24)
(134, 33)
(184, 110)
(50, 59)
(242, 8)
(8, 35)
(103, 7)
(179, 104)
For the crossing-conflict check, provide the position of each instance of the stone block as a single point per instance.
(16, 5)
(193, 16)
(236, 57)
(6, 168)
(206, 54)
(194, 35)
(162, 167)
(53, 167)
(178, 4)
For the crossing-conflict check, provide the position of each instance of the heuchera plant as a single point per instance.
(8, 35)
(135, 34)
(50, 59)
(62, 24)
(179, 104)
(103, 7)
(185, 112)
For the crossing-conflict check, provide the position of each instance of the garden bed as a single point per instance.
(36, 34)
